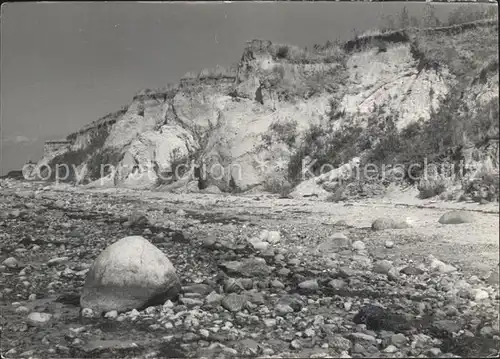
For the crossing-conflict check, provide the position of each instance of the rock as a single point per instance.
(191, 302)
(11, 262)
(209, 242)
(379, 318)
(335, 242)
(37, 319)
(277, 284)
(269, 323)
(199, 288)
(390, 349)
(389, 244)
(56, 261)
(137, 219)
(295, 344)
(129, 274)
(111, 315)
(273, 237)
(393, 274)
(234, 302)
(88, 313)
(382, 267)
(260, 246)
(249, 267)
(480, 294)
(22, 310)
(493, 278)
(364, 337)
(358, 246)
(180, 237)
(411, 270)
(181, 212)
(446, 327)
(212, 189)
(309, 285)
(434, 352)
(456, 217)
(381, 224)
(294, 301)
(337, 342)
(336, 284)
(398, 340)
(59, 204)
(437, 265)
(213, 298)
(283, 309)
(231, 285)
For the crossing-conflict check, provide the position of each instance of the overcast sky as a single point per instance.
(67, 64)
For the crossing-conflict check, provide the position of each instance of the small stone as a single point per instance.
(209, 242)
(57, 261)
(295, 344)
(389, 244)
(347, 306)
(213, 298)
(113, 314)
(273, 237)
(260, 246)
(340, 343)
(358, 246)
(38, 319)
(191, 302)
(277, 284)
(87, 313)
(480, 294)
(434, 352)
(181, 212)
(309, 332)
(336, 284)
(398, 340)
(168, 304)
(382, 267)
(22, 310)
(411, 270)
(11, 262)
(310, 285)
(358, 349)
(234, 302)
(283, 309)
(269, 323)
(390, 349)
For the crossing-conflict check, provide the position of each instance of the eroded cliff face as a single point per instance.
(226, 116)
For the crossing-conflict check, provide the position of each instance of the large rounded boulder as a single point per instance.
(129, 274)
(456, 217)
(384, 223)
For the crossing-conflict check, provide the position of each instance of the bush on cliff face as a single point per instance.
(102, 163)
(328, 149)
(285, 132)
(74, 158)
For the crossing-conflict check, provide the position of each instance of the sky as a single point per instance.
(64, 65)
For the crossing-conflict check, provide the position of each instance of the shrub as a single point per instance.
(431, 187)
(282, 52)
(277, 184)
(105, 160)
(285, 132)
(338, 195)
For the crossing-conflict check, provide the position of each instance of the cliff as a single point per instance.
(251, 118)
